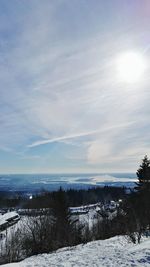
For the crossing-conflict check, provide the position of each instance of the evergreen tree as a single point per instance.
(143, 174)
(67, 231)
(142, 194)
(136, 206)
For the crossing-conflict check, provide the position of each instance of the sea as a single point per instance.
(33, 183)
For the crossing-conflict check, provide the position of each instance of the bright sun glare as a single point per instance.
(131, 67)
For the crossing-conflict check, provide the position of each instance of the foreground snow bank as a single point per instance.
(115, 252)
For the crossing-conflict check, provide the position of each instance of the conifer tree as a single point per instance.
(142, 194)
(143, 174)
(67, 231)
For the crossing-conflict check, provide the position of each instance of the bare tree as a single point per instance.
(11, 246)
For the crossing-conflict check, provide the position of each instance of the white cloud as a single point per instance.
(78, 135)
(58, 85)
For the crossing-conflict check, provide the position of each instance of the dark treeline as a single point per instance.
(74, 197)
(78, 197)
(10, 200)
(94, 195)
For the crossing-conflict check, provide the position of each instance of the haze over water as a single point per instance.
(36, 182)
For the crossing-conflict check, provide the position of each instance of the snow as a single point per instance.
(85, 208)
(88, 219)
(8, 216)
(116, 252)
(92, 213)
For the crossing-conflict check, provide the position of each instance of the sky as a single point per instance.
(62, 106)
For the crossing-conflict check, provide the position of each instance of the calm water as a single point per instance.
(35, 182)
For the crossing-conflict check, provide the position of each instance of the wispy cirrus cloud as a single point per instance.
(58, 82)
(78, 135)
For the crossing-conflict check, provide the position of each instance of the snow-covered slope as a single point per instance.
(115, 252)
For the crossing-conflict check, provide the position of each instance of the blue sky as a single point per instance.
(62, 107)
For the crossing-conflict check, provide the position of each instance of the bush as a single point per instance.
(38, 235)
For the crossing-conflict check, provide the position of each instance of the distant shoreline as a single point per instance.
(51, 182)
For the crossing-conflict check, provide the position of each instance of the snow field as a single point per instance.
(113, 252)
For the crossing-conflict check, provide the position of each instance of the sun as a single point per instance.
(130, 67)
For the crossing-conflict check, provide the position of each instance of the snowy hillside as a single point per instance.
(115, 252)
